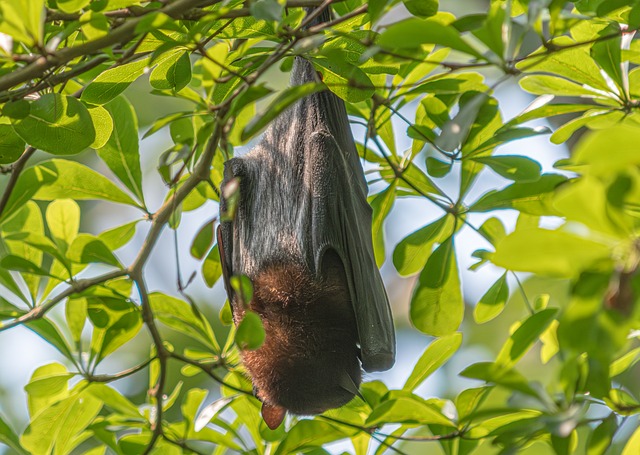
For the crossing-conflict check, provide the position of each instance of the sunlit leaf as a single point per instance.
(437, 307)
(55, 123)
(436, 354)
(121, 152)
(493, 301)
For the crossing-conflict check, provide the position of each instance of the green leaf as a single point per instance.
(9, 310)
(542, 84)
(86, 249)
(102, 123)
(250, 334)
(436, 355)
(76, 315)
(55, 123)
(455, 132)
(632, 446)
(607, 53)
(585, 200)
(345, 80)
(407, 410)
(243, 288)
(63, 220)
(19, 264)
(513, 167)
(184, 318)
(412, 252)
(211, 267)
(11, 145)
(528, 197)
(121, 152)
(114, 400)
(381, 205)
(437, 306)
(413, 180)
(23, 20)
(573, 63)
(72, 6)
(210, 411)
(58, 376)
(282, 102)
(9, 438)
(549, 253)
(173, 72)
(468, 401)
(377, 8)
(620, 138)
(118, 236)
(437, 268)
(59, 179)
(50, 380)
(95, 25)
(493, 230)
(437, 168)
(534, 111)
(446, 84)
(493, 301)
(59, 424)
(49, 332)
(491, 372)
(268, 10)
(422, 8)
(524, 337)
(28, 222)
(116, 321)
(412, 33)
(113, 82)
(203, 240)
(600, 439)
(623, 363)
(307, 434)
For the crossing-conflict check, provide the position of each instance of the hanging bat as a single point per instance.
(302, 233)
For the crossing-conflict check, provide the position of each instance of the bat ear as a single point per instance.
(273, 415)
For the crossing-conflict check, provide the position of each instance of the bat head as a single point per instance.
(309, 360)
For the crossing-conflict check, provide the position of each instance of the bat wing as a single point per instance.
(232, 169)
(341, 220)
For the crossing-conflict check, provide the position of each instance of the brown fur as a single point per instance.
(310, 351)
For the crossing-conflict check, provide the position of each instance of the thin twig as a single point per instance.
(208, 369)
(524, 294)
(16, 169)
(119, 35)
(163, 354)
(121, 374)
(75, 288)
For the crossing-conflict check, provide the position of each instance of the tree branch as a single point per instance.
(76, 287)
(122, 34)
(122, 374)
(16, 169)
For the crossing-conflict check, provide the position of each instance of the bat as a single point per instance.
(301, 231)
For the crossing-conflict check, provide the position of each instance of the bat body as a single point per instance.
(302, 234)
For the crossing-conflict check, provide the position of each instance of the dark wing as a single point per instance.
(225, 229)
(341, 220)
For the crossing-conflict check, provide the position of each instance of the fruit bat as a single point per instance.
(301, 231)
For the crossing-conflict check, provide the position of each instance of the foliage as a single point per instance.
(64, 76)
